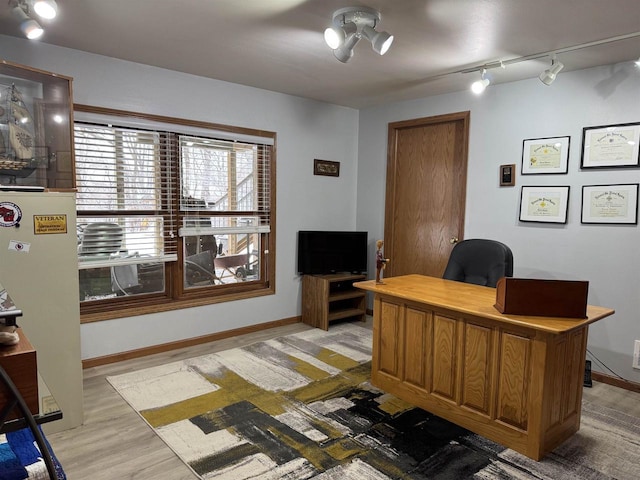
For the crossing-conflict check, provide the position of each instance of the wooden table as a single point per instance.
(441, 345)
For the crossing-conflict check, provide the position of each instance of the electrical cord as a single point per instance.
(603, 365)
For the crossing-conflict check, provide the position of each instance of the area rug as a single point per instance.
(301, 407)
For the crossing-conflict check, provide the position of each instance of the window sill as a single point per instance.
(166, 305)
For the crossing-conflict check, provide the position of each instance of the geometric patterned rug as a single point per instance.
(301, 407)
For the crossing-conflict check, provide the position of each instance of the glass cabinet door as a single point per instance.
(36, 148)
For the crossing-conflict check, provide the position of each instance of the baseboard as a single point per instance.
(615, 381)
(189, 342)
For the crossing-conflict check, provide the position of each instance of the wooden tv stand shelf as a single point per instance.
(443, 346)
(326, 298)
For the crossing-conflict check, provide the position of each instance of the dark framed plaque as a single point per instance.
(508, 175)
(326, 167)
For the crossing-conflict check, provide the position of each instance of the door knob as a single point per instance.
(453, 240)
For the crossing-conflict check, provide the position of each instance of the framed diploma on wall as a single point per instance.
(611, 146)
(610, 204)
(545, 155)
(544, 204)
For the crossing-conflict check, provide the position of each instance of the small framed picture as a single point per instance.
(545, 155)
(611, 146)
(544, 204)
(610, 204)
(508, 175)
(326, 167)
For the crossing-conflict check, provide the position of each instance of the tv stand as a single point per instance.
(327, 298)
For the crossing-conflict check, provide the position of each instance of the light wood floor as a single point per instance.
(114, 442)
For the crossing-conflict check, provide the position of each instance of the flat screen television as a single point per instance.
(325, 252)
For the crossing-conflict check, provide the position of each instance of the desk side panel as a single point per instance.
(389, 341)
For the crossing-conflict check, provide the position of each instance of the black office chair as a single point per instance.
(479, 261)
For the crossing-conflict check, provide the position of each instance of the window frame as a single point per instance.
(175, 295)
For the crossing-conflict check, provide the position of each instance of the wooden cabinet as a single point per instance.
(326, 298)
(442, 346)
(19, 361)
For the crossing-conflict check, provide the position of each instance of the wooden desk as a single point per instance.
(442, 346)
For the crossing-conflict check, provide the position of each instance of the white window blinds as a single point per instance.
(227, 183)
(125, 199)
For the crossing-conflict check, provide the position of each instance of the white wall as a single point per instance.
(306, 130)
(607, 256)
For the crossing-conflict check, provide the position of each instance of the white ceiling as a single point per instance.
(278, 44)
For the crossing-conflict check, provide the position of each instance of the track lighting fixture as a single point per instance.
(549, 75)
(46, 8)
(349, 25)
(23, 11)
(479, 86)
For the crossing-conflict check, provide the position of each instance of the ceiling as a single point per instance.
(278, 45)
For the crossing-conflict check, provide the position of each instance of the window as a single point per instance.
(170, 213)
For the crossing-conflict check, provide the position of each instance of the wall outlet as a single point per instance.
(636, 355)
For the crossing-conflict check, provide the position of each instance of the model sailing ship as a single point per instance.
(17, 133)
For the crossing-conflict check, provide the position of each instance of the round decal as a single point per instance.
(10, 214)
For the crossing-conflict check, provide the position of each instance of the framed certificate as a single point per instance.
(545, 155)
(544, 204)
(610, 204)
(611, 146)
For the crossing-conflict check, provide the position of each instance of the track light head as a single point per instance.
(30, 28)
(380, 41)
(479, 86)
(336, 35)
(333, 37)
(345, 51)
(549, 75)
(47, 9)
(349, 26)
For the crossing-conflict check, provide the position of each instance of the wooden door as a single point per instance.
(425, 197)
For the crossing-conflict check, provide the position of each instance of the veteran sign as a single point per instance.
(49, 224)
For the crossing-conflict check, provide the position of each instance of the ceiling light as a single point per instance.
(479, 86)
(23, 11)
(46, 8)
(335, 36)
(345, 51)
(30, 28)
(380, 41)
(349, 26)
(549, 75)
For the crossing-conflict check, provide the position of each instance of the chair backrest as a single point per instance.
(101, 238)
(479, 261)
